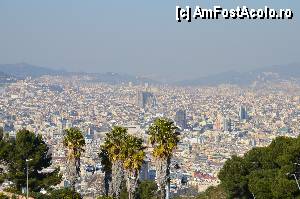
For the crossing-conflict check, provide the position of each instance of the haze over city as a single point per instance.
(128, 100)
(143, 38)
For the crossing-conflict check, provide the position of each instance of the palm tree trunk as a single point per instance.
(168, 190)
(168, 178)
(130, 195)
(131, 183)
(107, 180)
(161, 176)
(117, 178)
(71, 173)
(77, 166)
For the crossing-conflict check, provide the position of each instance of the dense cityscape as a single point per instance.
(214, 122)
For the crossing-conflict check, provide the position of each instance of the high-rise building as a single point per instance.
(217, 123)
(243, 113)
(180, 119)
(60, 126)
(146, 100)
(227, 124)
(144, 170)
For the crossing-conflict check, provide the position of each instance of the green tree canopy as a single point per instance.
(217, 192)
(266, 172)
(64, 193)
(27, 145)
(147, 190)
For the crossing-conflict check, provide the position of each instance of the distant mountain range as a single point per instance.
(264, 74)
(11, 72)
(23, 70)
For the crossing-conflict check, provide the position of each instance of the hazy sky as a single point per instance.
(143, 37)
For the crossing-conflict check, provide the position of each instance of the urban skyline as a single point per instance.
(215, 122)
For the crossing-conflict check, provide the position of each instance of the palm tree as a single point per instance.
(133, 157)
(74, 142)
(114, 143)
(164, 138)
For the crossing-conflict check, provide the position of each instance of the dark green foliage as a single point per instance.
(124, 193)
(1, 134)
(38, 195)
(2, 196)
(265, 172)
(5, 149)
(64, 194)
(105, 197)
(147, 190)
(14, 153)
(213, 193)
(234, 178)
